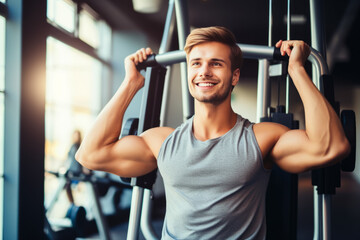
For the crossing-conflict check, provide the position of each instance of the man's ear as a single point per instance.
(235, 77)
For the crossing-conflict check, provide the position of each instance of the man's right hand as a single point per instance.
(131, 73)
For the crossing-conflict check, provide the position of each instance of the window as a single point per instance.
(62, 13)
(73, 99)
(95, 32)
(2, 104)
(89, 29)
(73, 83)
(77, 71)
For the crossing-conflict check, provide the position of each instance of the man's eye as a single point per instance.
(195, 64)
(216, 64)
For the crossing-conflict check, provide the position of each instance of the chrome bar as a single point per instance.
(287, 87)
(319, 68)
(165, 47)
(146, 214)
(183, 29)
(249, 52)
(263, 90)
(135, 213)
(326, 216)
(101, 223)
(316, 214)
(270, 24)
(168, 28)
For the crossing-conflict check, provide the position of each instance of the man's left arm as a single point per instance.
(323, 142)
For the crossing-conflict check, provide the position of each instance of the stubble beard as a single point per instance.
(216, 98)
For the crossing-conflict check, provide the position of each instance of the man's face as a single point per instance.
(210, 78)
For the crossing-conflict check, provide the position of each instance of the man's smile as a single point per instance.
(205, 84)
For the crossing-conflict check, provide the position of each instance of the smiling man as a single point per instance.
(217, 164)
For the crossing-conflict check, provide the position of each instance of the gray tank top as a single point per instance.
(214, 189)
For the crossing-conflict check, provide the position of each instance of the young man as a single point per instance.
(216, 165)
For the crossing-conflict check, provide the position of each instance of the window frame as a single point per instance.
(25, 57)
(4, 14)
(73, 39)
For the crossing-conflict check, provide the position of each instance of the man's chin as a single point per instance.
(211, 100)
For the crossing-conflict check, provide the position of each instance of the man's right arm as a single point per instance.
(102, 150)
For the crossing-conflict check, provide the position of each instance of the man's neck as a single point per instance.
(212, 121)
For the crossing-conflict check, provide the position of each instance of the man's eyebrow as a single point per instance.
(217, 60)
(194, 59)
(212, 59)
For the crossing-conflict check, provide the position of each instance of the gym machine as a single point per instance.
(326, 180)
(75, 224)
(151, 115)
(282, 190)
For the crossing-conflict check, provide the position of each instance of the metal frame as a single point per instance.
(250, 52)
(149, 118)
(75, 42)
(166, 59)
(322, 202)
(25, 58)
(145, 222)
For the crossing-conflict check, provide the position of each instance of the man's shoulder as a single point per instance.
(155, 137)
(268, 129)
(270, 126)
(267, 134)
(158, 133)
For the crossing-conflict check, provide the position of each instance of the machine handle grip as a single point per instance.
(149, 62)
(277, 55)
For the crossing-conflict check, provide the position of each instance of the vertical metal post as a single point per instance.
(317, 28)
(317, 214)
(164, 47)
(326, 216)
(168, 28)
(183, 29)
(263, 89)
(287, 97)
(317, 33)
(100, 220)
(322, 228)
(270, 24)
(146, 213)
(135, 213)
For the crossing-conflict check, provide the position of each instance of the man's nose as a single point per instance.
(205, 71)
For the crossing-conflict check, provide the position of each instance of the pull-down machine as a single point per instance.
(152, 112)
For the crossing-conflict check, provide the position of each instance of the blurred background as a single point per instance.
(62, 60)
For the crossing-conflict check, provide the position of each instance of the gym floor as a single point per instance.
(345, 211)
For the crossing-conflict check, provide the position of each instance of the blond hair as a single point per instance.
(216, 34)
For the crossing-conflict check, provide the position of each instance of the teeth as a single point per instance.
(205, 84)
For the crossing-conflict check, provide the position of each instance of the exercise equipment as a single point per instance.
(282, 191)
(249, 51)
(72, 225)
(75, 223)
(349, 124)
(156, 67)
(326, 180)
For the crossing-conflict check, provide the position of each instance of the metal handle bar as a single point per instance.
(249, 52)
